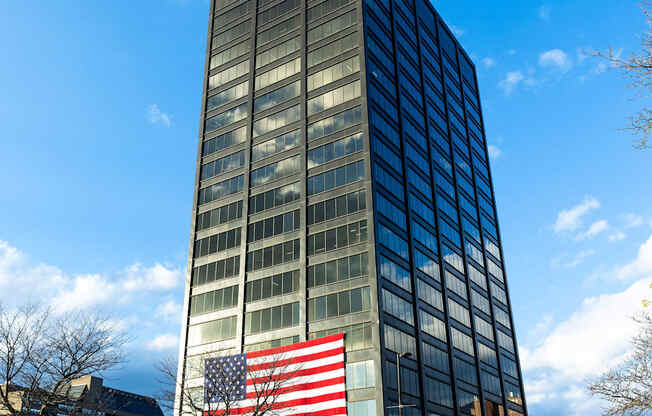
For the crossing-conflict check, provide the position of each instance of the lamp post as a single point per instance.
(398, 380)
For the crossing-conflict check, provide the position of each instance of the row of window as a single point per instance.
(271, 344)
(334, 178)
(273, 226)
(224, 141)
(273, 13)
(215, 300)
(279, 73)
(277, 120)
(337, 207)
(338, 270)
(230, 54)
(278, 96)
(337, 238)
(228, 95)
(273, 255)
(397, 306)
(212, 331)
(228, 74)
(394, 273)
(332, 26)
(218, 242)
(279, 30)
(357, 337)
(227, 117)
(333, 49)
(334, 150)
(218, 216)
(276, 145)
(335, 123)
(334, 98)
(276, 170)
(338, 304)
(270, 319)
(215, 271)
(279, 284)
(274, 198)
(231, 34)
(333, 73)
(222, 165)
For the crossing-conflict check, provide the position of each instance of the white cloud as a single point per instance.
(511, 81)
(596, 228)
(567, 262)
(170, 311)
(511, 52)
(570, 219)
(594, 338)
(163, 342)
(155, 116)
(157, 277)
(488, 62)
(617, 236)
(641, 265)
(556, 58)
(83, 292)
(544, 12)
(494, 152)
(631, 220)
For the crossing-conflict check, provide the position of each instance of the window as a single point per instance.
(495, 271)
(462, 342)
(274, 198)
(332, 124)
(332, 26)
(424, 237)
(273, 255)
(211, 272)
(505, 341)
(391, 211)
(477, 277)
(498, 293)
(409, 378)
(337, 238)
(324, 8)
(228, 74)
(465, 371)
(270, 319)
(479, 301)
(277, 52)
(394, 273)
(274, 171)
(432, 326)
(513, 393)
(226, 96)
(231, 34)
(421, 209)
(276, 121)
(218, 330)
(338, 304)
(222, 165)
(427, 265)
(334, 150)
(337, 207)
(279, 30)
(502, 317)
(364, 408)
(452, 258)
(468, 402)
(398, 307)
(218, 242)
(387, 153)
(392, 241)
(455, 284)
(278, 96)
(487, 355)
(333, 49)
(276, 145)
(271, 344)
(334, 178)
(459, 313)
(230, 54)
(473, 252)
(388, 181)
(491, 383)
(214, 301)
(438, 392)
(338, 71)
(273, 226)
(277, 285)
(225, 141)
(357, 337)
(232, 15)
(509, 367)
(218, 216)
(449, 232)
(227, 117)
(483, 328)
(430, 295)
(398, 341)
(334, 98)
(360, 375)
(492, 248)
(278, 74)
(277, 11)
(435, 358)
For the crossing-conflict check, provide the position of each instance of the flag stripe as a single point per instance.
(295, 353)
(296, 360)
(299, 387)
(293, 404)
(326, 375)
(302, 372)
(293, 347)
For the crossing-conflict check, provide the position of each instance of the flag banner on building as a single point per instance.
(307, 378)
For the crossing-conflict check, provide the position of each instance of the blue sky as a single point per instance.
(100, 115)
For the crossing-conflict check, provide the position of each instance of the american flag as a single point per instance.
(309, 379)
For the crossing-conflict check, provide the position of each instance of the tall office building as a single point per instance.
(343, 185)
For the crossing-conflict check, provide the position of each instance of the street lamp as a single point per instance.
(398, 379)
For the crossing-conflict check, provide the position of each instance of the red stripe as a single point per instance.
(295, 360)
(294, 347)
(298, 373)
(299, 387)
(293, 403)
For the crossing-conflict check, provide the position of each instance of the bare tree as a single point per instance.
(628, 387)
(41, 353)
(221, 391)
(638, 69)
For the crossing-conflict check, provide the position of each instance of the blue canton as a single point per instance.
(225, 377)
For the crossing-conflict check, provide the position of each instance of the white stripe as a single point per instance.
(297, 353)
(309, 408)
(291, 368)
(295, 395)
(308, 379)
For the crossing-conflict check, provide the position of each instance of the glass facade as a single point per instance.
(344, 186)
